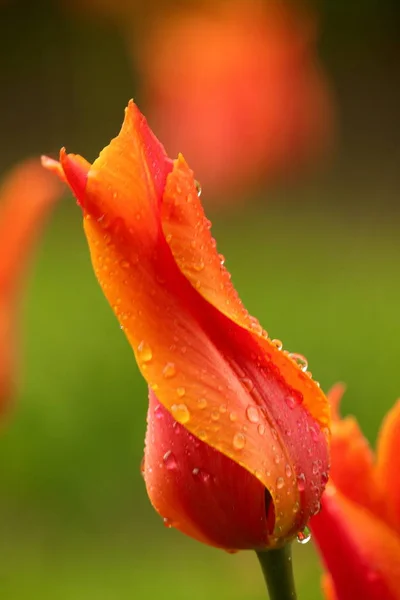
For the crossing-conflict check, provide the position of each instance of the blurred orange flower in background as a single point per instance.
(237, 442)
(26, 197)
(358, 528)
(235, 85)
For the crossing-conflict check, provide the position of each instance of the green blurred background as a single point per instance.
(316, 259)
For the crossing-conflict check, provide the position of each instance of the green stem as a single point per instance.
(277, 569)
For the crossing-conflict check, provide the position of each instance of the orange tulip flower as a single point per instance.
(26, 196)
(238, 88)
(236, 448)
(358, 528)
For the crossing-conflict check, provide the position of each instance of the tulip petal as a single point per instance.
(228, 386)
(229, 511)
(188, 233)
(360, 552)
(387, 470)
(354, 477)
(27, 195)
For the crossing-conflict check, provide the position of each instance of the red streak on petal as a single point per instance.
(200, 491)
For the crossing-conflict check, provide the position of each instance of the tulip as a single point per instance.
(358, 528)
(238, 88)
(237, 442)
(26, 196)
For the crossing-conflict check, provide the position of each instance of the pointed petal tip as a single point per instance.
(76, 169)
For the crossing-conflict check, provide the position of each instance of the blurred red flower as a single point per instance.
(358, 528)
(236, 447)
(26, 196)
(236, 86)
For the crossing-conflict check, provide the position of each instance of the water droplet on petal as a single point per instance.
(169, 370)
(180, 412)
(290, 401)
(142, 466)
(261, 429)
(223, 408)
(167, 522)
(202, 435)
(300, 360)
(221, 258)
(198, 266)
(247, 383)
(301, 482)
(280, 482)
(303, 537)
(145, 352)
(239, 441)
(252, 414)
(278, 344)
(201, 475)
(198, 188)
(215, 414)
(180, 391)
(158, 411)
(288, 471)
(170, 461)
(232, 416)
(202, 403)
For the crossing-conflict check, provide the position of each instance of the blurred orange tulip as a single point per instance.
(26, 196)
(237, 87)
(358, 528)
(236, 448)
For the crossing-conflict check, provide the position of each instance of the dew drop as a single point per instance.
(168, 237)
(239, 441)
(145, 352)
(303, 537)
(261, 429)
(158, 411)
(278, 344)
(180, 391)
(167, 522)
(201, 475)
(223, 408)
(142, 466)
(301, 482)
(315, 467)
(170, 461)
(232, 416)
(300, 360)
(258, 474)
(221, 258)
(288, 470)
(215, 414)
(202, 403)
(180, 413)
(198, 266)
(280, 482)
(290, 402)
(252, 414)
(198, 188)
(324, 478)
(169, 370)
(247, 383)
(202, 435)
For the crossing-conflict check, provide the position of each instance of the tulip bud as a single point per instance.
(237, 427)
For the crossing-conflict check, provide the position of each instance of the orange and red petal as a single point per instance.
(200, 491)
(188, 234)
(227, 385)
(361, 553)
(26, 196)
(353, 465)
(387, 469)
